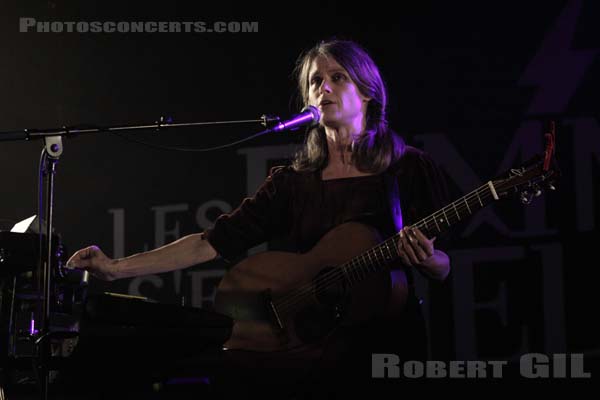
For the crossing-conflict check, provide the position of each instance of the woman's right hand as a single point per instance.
(92, 259)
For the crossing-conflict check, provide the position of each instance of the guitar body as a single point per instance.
(285, 301)
(287, 306)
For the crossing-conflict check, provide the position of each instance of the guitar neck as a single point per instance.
(385, 253)
(456, 211)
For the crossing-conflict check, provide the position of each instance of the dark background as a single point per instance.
(474, 74)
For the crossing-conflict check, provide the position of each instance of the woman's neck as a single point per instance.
(339, 144)
(340, 153)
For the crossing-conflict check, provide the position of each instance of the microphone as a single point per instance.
(310, 115)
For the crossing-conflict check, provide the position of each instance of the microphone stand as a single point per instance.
(53, 149)
(29, 134)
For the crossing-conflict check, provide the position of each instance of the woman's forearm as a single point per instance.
(182, 253)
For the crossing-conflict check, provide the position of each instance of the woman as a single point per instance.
(352, 168)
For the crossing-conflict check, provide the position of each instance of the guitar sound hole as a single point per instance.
(316, 320)
(329, 286)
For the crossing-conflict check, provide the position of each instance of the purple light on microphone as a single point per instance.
(309, 116)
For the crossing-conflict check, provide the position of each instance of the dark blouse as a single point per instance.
(297, 208)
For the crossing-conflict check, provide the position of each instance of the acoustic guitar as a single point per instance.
(284, 301)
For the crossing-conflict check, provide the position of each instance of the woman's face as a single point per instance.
(336, 96)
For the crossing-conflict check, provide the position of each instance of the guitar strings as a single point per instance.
(295, 297)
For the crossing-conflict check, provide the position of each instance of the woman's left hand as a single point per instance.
(414, 248)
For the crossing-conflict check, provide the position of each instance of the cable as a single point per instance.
(185, 149)
(171, 148)
(41, 173)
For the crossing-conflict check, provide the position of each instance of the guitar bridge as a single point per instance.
(274, 317)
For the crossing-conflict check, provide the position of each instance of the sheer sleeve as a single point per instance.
(257, 219)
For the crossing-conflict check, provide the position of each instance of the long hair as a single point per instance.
(375, 148)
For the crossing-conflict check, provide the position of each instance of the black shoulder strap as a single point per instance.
(393, 195)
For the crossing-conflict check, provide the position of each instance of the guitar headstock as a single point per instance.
(533, 177)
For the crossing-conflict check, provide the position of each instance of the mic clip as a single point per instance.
(269, 120)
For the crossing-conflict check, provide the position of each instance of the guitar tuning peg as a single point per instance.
(526, 197)
(537, 191)
(551, 186)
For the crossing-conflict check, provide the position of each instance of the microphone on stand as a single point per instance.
(310, 115)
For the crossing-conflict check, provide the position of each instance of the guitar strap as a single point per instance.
(393, 194)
